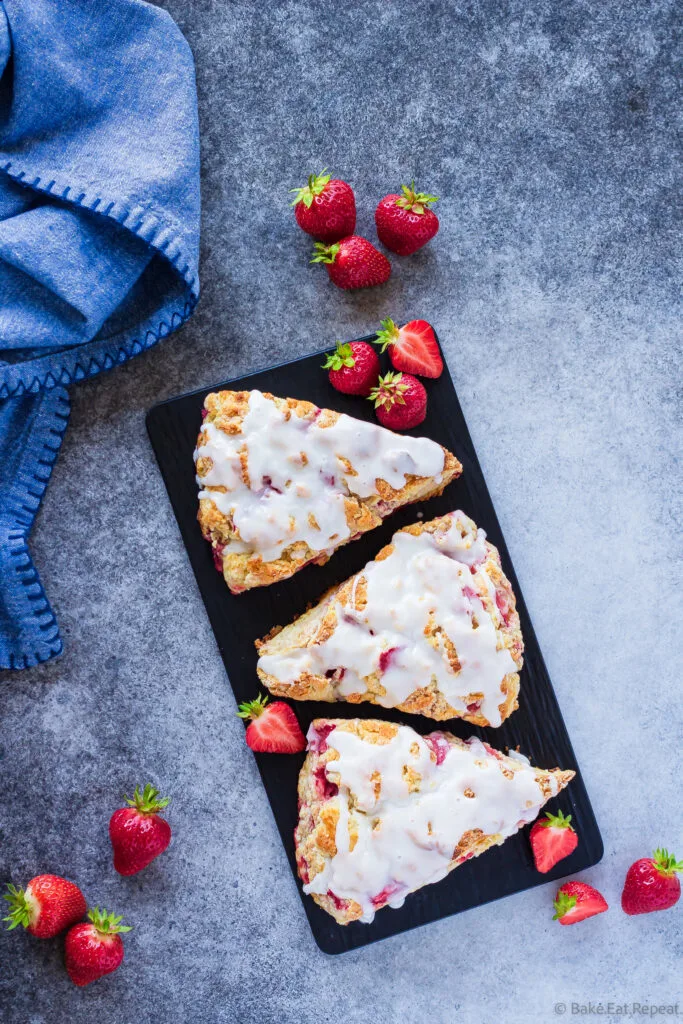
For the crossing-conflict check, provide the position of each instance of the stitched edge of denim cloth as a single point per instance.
(103, 354)
(26, 494)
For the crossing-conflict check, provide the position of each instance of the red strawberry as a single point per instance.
(273, 729)
(354, 368)
(94, 949)
(353, 262)
(47, 906)
(651, 884)
(552, 839)
(325, 208)
(405, 223)
(138, 834)
(412, 348)
(400, 401)
(576, 901)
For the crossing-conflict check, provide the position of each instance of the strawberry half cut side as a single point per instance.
(575, 901)
(413, 348)
(273, 728)
(552, 839)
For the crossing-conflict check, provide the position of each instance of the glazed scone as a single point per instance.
(384, 811)
(283, 483)
(429, 627)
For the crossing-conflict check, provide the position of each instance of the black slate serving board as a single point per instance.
(237, 620)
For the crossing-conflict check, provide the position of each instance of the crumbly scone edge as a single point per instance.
(315, 832)
(245, 570)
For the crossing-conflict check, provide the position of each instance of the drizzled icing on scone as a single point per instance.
(423, 623)
(299, 472)
(405, 805)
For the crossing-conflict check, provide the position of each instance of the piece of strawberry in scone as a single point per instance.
(429, 627)
(283, 483)
(384, 811)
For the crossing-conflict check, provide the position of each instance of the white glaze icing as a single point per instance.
(431, 577)
(291, 498)
(407, 839)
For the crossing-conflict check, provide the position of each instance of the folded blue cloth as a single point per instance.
(99, 238)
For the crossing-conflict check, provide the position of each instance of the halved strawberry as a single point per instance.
(575, 901)
(552, 839)
(413, 348)
(273, 728)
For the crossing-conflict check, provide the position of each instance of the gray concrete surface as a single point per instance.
(547, 129)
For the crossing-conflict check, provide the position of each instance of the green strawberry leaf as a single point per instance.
(666, 863)
(388, 335)
(316, 184)
(149, 801)
(342, 356)
(563, 904)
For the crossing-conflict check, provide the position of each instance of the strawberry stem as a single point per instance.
(388, 335)
(665, 863)
(415, 202)
(316, 184)
(253, 708)
(325, 253)
(389, 391)
(20, 908)
(107, 923)
(563, 904)
(147, 802)
(342, 356)
(558, 820)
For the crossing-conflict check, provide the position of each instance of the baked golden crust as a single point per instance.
(315, 834)
(244, 569)
(319, 623)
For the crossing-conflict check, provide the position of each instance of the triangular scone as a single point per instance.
(384, 811)
(284, 483)
(429, 627)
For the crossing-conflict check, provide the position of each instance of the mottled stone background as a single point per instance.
(548, 130)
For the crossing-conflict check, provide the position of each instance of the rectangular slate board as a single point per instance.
(237, 620)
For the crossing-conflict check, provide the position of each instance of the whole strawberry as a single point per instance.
(273, 728)
(552, 839)
(575, 901)
(354, 368)
(400, 401)
(325, 208)
(413, 348)
(404, 222)
(353, 262)
(138, 834)
(47, 906)
(651, 884)
(95, 948)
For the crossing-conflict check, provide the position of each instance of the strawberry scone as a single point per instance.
(384, 811)
(284, 483)
(429, 627)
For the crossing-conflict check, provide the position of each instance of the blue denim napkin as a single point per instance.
(99, 237)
